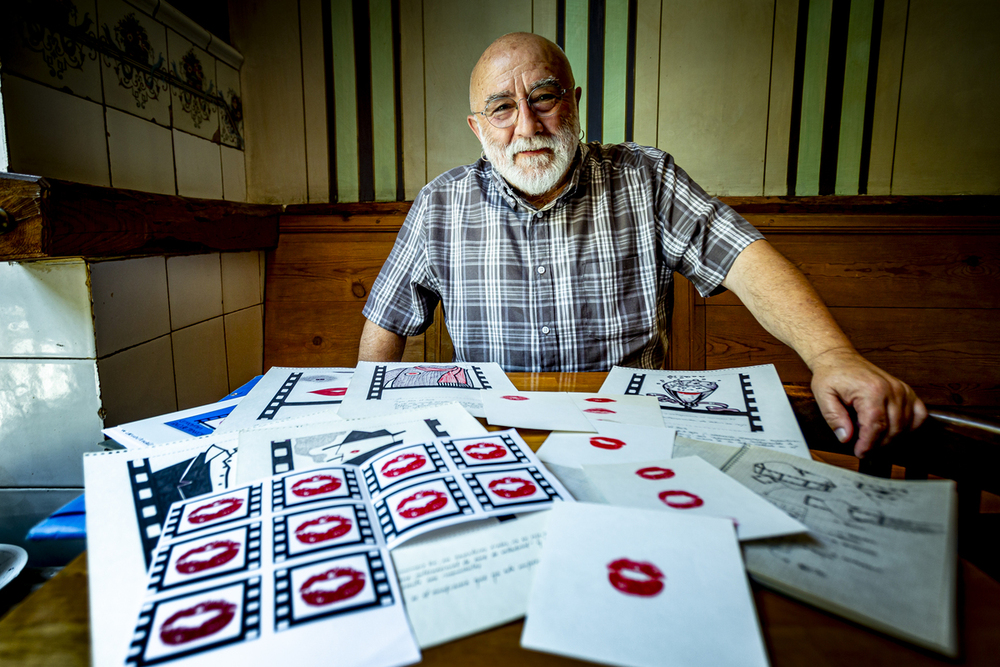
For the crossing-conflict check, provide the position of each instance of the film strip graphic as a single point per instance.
(488, 502)
(391, 527)
(206, 557)
(635, 384)
(377, 384)
(280, 398)
(752, 413)
(287, 613)
(281, 456)
(146, 512)
(283, 547)
(463, 462)
(481, 375)
(237, 603)
(377, 483)
(171, 527)
(280, 489)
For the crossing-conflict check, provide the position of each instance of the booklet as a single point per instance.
(734, 406)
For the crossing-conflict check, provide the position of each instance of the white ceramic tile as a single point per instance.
(130, 302)
(244, 345)
(126, 86)
(195, 285)
(142, 154)
(200, 364)
(231, 121)
(75, 70)
(138, 382)
(199, 166)
(48, 419)
(54, 134)
(45, 310)
(23, 508)
(196, 68)
(234, 174)
(240, 279)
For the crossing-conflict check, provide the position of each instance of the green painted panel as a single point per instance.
(345, 94)
(576, 47)
(383, 100)
(852, 114)
(615, 66)
(813, 96)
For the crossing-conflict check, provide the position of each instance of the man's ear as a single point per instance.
(579, 93)
(474, 126)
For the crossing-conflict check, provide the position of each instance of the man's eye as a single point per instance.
(545, 98)
(501, 107)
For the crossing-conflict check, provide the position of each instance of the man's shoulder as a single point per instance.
(627, 155)
(474, 175)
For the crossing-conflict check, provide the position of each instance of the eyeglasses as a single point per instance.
(544, 101)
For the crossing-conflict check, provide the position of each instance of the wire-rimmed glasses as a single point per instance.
(502, 111)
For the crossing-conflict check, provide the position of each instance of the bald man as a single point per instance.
(549, 254)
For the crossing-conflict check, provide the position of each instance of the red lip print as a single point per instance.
(484, 451)
(332, 391)
(684, 500)
(512, 487)
(316, 485)
(313, 591)
(516, 398)
(597, 399)
(600, 411)
(215, 510)
(177, 631)
(203, 557)
(635, 577)
(404, 463)
(422, 502)
(606, 443)
(329, 527)
(655, 472)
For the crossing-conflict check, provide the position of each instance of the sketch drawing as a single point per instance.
(688, 394)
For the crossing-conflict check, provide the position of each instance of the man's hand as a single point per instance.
(884, 406)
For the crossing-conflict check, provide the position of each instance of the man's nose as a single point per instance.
(528, 124)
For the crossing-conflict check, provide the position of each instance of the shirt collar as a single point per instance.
(515, 200)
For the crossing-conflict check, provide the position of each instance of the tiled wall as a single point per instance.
(78, 106)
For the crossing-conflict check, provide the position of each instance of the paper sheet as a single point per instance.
(636, 587)
(173, 427)
(469, 581)
(546, 410)
(618, 408)
(249, 576)
(287, 393)
(384, 388)
(269, 451)
(734, 406)
(692, 486)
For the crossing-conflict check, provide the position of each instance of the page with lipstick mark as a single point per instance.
(640, 588)
(691, 486)
(174, 427)
(733, 406)
(287, 393)
(384, 388)
(288, 569)
(281, 448)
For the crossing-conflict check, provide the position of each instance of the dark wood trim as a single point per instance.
(58, 219)
(319, 224)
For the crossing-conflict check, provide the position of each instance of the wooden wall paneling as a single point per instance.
(314, 100)
(852, 115)
(890, 72)
(779, 115)
(647, 71)
(411, 89)
(817, 54)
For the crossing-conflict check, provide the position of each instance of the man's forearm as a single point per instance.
(378, 344)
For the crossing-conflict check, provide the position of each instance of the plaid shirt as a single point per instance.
(582, 285)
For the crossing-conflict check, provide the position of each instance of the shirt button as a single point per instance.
(545, 330)
(539, 214)
(541, 269)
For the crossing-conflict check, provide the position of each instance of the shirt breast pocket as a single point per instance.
(616, 300)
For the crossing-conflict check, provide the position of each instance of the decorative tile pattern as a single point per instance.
(193, 73)
(133, 81)
(195, 284)
(231, 117)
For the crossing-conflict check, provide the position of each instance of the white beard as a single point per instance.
(536, 174)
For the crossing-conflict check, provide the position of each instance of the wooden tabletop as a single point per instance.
(52, 627)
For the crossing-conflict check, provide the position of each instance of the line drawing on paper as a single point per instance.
(683, 393)
(300, 389)
(426, 377)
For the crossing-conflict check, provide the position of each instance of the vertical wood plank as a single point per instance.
(411, 44)
(577, 31)
(345, 94)
(852, 114)
(383, 100)
(890, 72)
(543, 22)
(647, 71)
(615, 65)
(813, 96)
(314, 100)
(779, 115)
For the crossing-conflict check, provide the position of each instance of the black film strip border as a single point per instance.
(146, 511)
(389, 527)
(157, 573)
(483, 497)
(461, 463)
(280, 397)
(281, 457)
(173, 519)
(635, 384)
(278, 492)
(481, 374)
(371, 477)
(377, 384)
(753, 412)
(281, 549)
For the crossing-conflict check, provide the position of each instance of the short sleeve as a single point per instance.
(700, 236)
(404, 295)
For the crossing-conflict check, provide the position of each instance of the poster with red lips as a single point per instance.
(331, 586)
(421, 503)
(211, 556)
(327, 528)
(402, 464)
(489, 450)
(210, 511)
(513, 486)
(195, 622)
(318, 485)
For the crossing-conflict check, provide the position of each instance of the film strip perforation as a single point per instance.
(280, 397)
(281, 456)
(635, 384)
(481, 375)
(146, 512)
(458, 495)
(485, 498)
(753, 412)
(277, 495)
(377, 384)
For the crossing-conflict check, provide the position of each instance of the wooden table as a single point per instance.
(52, 627)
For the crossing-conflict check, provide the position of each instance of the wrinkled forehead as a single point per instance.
(515, 69)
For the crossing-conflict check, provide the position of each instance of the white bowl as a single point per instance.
(12, 561)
